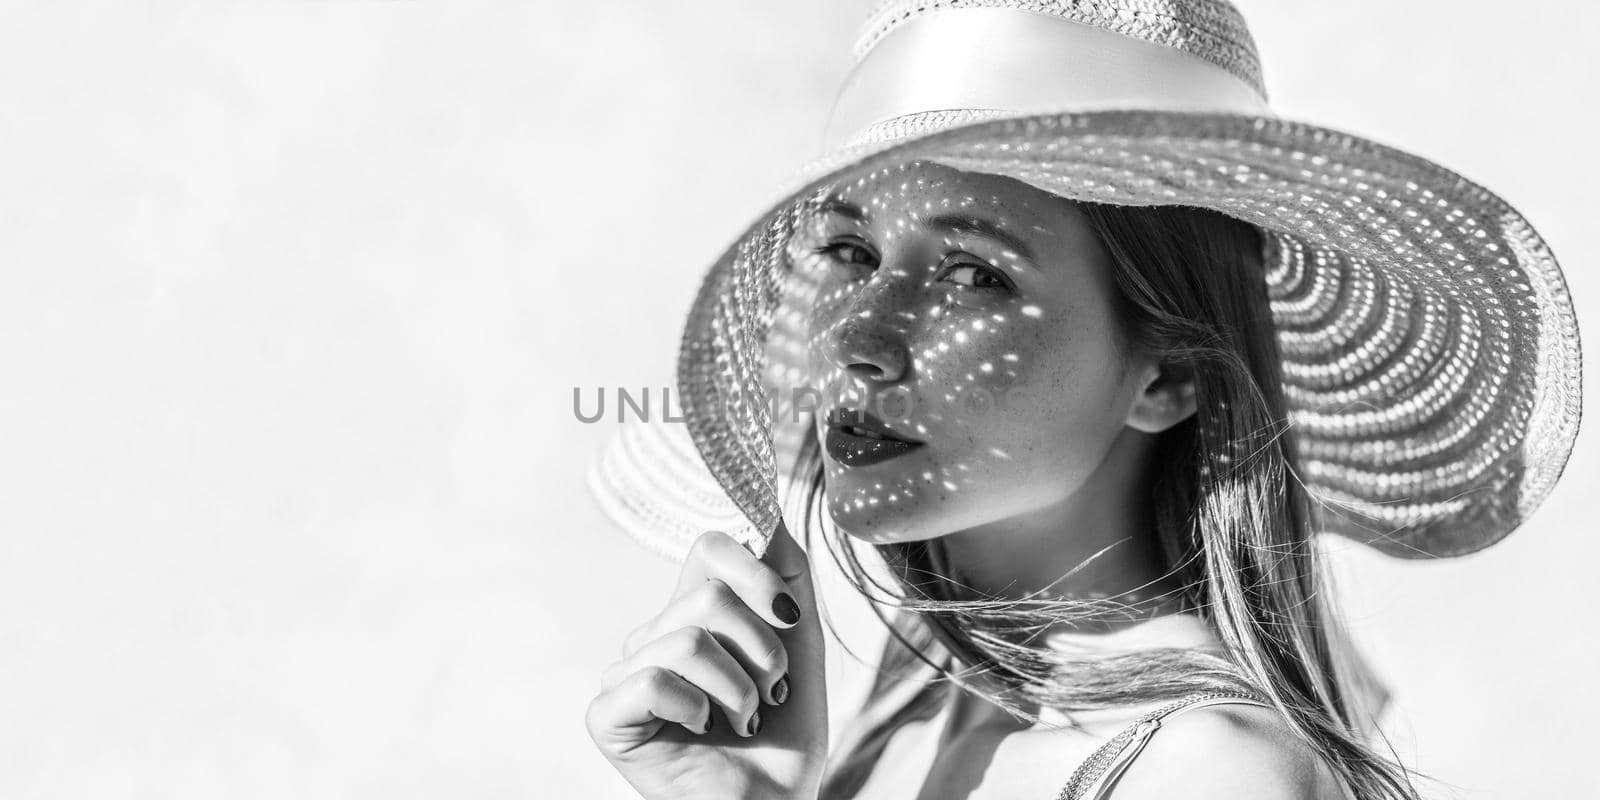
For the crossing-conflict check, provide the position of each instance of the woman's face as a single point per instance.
(973, 315)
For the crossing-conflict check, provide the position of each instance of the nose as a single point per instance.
(860, 345)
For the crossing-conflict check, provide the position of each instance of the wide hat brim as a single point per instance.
(1431, 356)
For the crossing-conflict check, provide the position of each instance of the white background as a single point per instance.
(295, 293)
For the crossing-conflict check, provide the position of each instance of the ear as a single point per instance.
(1164, 398)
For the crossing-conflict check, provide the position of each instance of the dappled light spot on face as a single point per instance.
(961, 342)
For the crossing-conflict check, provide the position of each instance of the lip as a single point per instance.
(853, 439)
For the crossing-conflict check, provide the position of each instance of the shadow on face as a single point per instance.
(965, 344)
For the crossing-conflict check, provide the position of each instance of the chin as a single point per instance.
(886, 523)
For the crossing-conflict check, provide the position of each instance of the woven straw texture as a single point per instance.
(1432, 362)
(1209, 29)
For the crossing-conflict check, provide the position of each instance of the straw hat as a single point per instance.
(1431, 356)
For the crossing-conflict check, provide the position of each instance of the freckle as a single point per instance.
(927, 476)
(1032, 311)
(1010, 356)
(978, 325)
(998, 453)
(944, 347)
(949, 485)
(986, 367)
(961, 337)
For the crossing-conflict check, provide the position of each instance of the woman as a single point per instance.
(1091, 440)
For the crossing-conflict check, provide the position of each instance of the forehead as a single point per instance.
(923, 180)
(921, 195)
(915, 190)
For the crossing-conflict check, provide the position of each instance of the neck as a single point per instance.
(1098, 543)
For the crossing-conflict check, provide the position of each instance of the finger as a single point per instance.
(784, 555)
(717, 555)
(696, 655)
(744, 634)
(632, 710)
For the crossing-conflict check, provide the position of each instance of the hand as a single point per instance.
(720, 657)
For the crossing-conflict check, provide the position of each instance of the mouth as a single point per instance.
(855, 438)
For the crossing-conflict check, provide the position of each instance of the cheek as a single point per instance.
(1028, 368)
(1058, 405)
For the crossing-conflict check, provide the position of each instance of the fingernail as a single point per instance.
(784, 607)
(780, 691)
(709, 717)
(755, 723)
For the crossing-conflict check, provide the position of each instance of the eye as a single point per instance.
(980, 277)
(850, 252)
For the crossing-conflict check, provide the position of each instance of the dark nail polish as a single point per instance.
(755, 723)
(780, 691)
(783, 606)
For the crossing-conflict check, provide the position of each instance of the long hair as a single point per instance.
(1233, 522)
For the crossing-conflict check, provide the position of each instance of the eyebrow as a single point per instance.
(834, 205)
(984, 228)
(957, 223)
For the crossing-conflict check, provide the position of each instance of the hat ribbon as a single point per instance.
(1023, 61)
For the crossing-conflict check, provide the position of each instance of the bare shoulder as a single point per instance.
(1228, 751)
